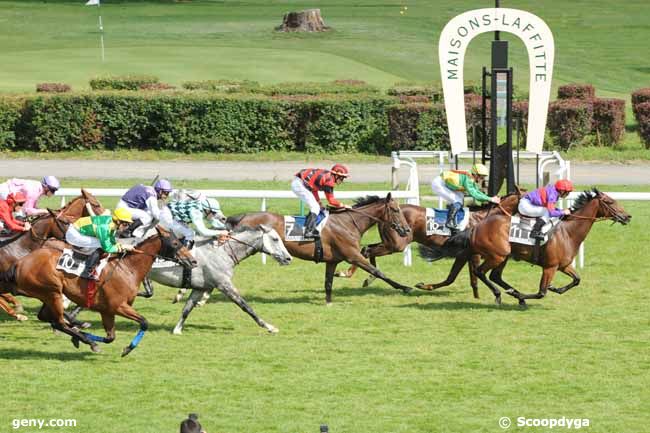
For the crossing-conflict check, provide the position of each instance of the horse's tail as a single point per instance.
(233, 221)
(455, 245)
(8, 280)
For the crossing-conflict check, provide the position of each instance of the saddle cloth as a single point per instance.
(74, 262)
(521, 226)
(437, 218)
(294, 226)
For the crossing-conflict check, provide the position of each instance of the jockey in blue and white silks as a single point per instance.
(178, 215)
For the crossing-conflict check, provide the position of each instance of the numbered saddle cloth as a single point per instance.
(521, 226)
(294, 226)
(74, 262)
(437, 218)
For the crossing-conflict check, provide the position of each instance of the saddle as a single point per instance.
(437, 218)
(74, 261)
(294, 226)
(521, 226)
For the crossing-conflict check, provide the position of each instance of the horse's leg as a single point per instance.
(370, 278)
(453, 274)
(71, 317)
(127, 311)
(191, 302)
(472, 264)
(361, 262)
(570, 271)
(18, 306)
(108, 322)
(330, 268)
(488, 264)
(544, 283)
(497, 276)
(204, 299)
(352, 269)
(4, 304)
(179, 295)
(53, 309)
(233, 294)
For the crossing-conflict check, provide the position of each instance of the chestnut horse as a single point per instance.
(340, 237)
(490, 240)
(416, 218)
(43, 227)
(36, 276)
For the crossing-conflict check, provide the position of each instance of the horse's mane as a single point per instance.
(243, 228)
(584, 198)
(364, 201)
(234, 220)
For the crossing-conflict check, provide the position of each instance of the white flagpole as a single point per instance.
(101, 28)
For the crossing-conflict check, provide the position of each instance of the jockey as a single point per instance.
(32, 190)
(13, 204)
(453, 185)
(541, 204)
(142, 202)
(98, 232)
(308, 182)
(179, 214)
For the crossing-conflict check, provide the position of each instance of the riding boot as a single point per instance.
(310, 226)
(536, 232)
(128, 232)
(91, 262)
(148, 288)
(452, 210)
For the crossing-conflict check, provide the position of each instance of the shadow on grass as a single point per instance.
(38, 354)
(462, 305)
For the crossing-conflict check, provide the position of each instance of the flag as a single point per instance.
(92, 3)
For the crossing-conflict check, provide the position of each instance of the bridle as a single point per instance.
(393, 225)
(231, 251)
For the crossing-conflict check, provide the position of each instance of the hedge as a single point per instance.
(576, 91)
(643, 116)
(308, 88)
(570, 121)
(53, 88)
(639, 97)
(224, 86)
(125, 82)
(10, 111)
(608, 120)
(404, 90)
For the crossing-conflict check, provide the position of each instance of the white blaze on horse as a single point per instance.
(217, 266)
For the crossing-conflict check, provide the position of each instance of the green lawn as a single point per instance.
(597, 41)
(376, 361)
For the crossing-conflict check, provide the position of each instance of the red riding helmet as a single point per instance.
(340, 170)
(17, 197)
(564, 185)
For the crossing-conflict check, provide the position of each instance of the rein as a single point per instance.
(231, 253)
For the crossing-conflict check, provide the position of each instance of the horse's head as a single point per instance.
(609, 208)
(272, 245)
(80, 206)
(172, 248)
(394, 216)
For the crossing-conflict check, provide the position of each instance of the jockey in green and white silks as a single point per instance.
(178, 215)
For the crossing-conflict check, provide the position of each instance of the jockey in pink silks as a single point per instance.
(33, 191)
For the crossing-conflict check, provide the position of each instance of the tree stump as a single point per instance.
(308, 20)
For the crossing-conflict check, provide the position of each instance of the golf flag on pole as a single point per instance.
(92, 3)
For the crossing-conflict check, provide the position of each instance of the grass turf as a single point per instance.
(375, 361)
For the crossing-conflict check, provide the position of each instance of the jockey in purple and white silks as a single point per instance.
(142, 202)
(540, 204)
(33, 190)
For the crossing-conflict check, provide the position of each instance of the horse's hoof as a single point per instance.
(328, 304)
(365, 284)
(21, 317)
(145, 294)
(341, 274)
(177, 299)
(177, 331)
(423, 286)
(75, 342)
(522, 303)
(95, 348)
(85, 325)
(406, 290)
(272, 329)
(497, 300)
(126, 351)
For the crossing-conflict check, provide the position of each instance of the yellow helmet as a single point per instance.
(122, 214)
(480, 170)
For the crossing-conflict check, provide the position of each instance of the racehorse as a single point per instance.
(341, 236)
(36, 276)
(416, 218)
(490, 240)
(216, 267)
(43, 227)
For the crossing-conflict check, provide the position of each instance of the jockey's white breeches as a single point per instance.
(439, 188)
(179, 228)
(299, 189)
(73, 237)
(528, 209)
(138, 214)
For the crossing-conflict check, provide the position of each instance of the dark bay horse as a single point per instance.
(43, 227)
(341, 236)
(36, 276)
(416, 218)
(490, 240)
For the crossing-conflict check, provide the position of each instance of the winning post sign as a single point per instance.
(455, 38)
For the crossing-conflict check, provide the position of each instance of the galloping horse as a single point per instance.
(416, 218)
(340, 237)
(43, 227)
(490, 240)
(36, 276)
(216, 267)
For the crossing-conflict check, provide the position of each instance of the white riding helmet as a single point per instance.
(211, 205)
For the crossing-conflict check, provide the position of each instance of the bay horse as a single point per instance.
(490, 240)
(341, 236)
(36, 276)
(43, 227)
(216, 268)
(416, 218)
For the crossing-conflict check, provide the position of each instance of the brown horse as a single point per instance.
(340, 237)
(43, 227)
(416, 218)
(36, 276)
(490, 240)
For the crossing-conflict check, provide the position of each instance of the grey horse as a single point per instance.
(217, 265)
